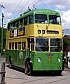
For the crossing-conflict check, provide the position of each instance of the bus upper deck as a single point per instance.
(40, 22)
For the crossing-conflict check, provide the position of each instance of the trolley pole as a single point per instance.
(2, 31)
(2, 35)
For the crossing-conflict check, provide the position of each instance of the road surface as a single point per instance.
(16, 77)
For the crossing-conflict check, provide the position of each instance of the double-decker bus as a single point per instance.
(34, 41)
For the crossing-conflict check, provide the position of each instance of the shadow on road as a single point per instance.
(35, 73)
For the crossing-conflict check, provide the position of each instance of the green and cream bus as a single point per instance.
(34, 41)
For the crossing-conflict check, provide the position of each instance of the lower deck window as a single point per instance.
(19, 45)
(9, 45)
(49, 44)
(56, 45)
(23, 45)
(15, 45)
(42, 44)
(12, 45)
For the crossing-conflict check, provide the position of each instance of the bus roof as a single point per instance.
(36, 11)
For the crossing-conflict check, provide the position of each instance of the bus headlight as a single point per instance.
(59, 59)
(39, 60)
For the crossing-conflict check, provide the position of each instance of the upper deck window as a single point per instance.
(30, 19)
(25, 21)
(21, 22)
(41, 18)
(17, 24)
(53, 19)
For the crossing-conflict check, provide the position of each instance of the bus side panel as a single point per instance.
(18, 57)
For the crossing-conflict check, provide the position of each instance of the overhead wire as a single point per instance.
(23, 7)
(37, 2)
(30, 5)
(33, 3)
(15, 8)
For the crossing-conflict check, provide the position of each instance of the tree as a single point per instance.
(66, 43)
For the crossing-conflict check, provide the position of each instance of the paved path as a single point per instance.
(16, 77)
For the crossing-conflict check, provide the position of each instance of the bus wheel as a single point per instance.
(28, 68)
(10, 62)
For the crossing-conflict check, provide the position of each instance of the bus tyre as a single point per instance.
(10, 62)
(28, 68)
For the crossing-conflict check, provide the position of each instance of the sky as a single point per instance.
(13, 8)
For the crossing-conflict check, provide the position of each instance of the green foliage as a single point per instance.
(66, 43)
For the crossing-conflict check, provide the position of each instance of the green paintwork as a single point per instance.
(37, 11)
(45, 64)
(17, 58)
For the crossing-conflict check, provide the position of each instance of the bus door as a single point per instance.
(31, 46)
(28, 43)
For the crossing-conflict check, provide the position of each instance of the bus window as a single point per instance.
(54, 19)
(9, 45)
(32, 43)
(21, 22)
(41, 18)
(19, 45)
(42, 44)
(55, 45)
(10, 26)
(23, 45)
(12, 45)
(17, 24)
(30, 19)
(25, 21)
(15, 45)
(13, 25)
